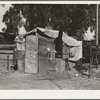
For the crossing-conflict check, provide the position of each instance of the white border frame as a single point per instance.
(49, 94)
(49, 2)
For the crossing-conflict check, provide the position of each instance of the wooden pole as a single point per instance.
(8, 62)
(97, 21)
(90, 65)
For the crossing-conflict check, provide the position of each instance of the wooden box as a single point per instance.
(51, 55)
(66, 51)
(60, 65)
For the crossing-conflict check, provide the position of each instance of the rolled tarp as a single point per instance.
(70, 41)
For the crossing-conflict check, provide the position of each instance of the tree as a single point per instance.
(73, 17)
(11, 19)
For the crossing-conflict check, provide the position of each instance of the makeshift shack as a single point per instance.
(47, 61)
(47, 35)
(40, 51)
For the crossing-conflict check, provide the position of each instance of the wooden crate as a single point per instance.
(60, 65)
(66, 51)
(71, 64)
(51, 55)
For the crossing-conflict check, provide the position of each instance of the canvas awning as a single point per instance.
(70, 41)
(54, 34)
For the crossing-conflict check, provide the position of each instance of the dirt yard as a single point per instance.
(45, 81)
(16, 80)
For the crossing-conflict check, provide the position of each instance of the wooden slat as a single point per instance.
(7, 46)
(31, 59)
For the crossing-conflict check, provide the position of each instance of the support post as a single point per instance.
(8, 62)
(97, 22)
(90, 63)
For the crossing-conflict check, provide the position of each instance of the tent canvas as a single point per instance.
(54, 34)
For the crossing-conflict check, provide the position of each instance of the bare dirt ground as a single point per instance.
(45, 81)
(16, 80)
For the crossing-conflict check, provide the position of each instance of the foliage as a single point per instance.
(71, 17)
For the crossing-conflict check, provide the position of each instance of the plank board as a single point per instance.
(44, 64)
(31, 59)
(42, 46)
